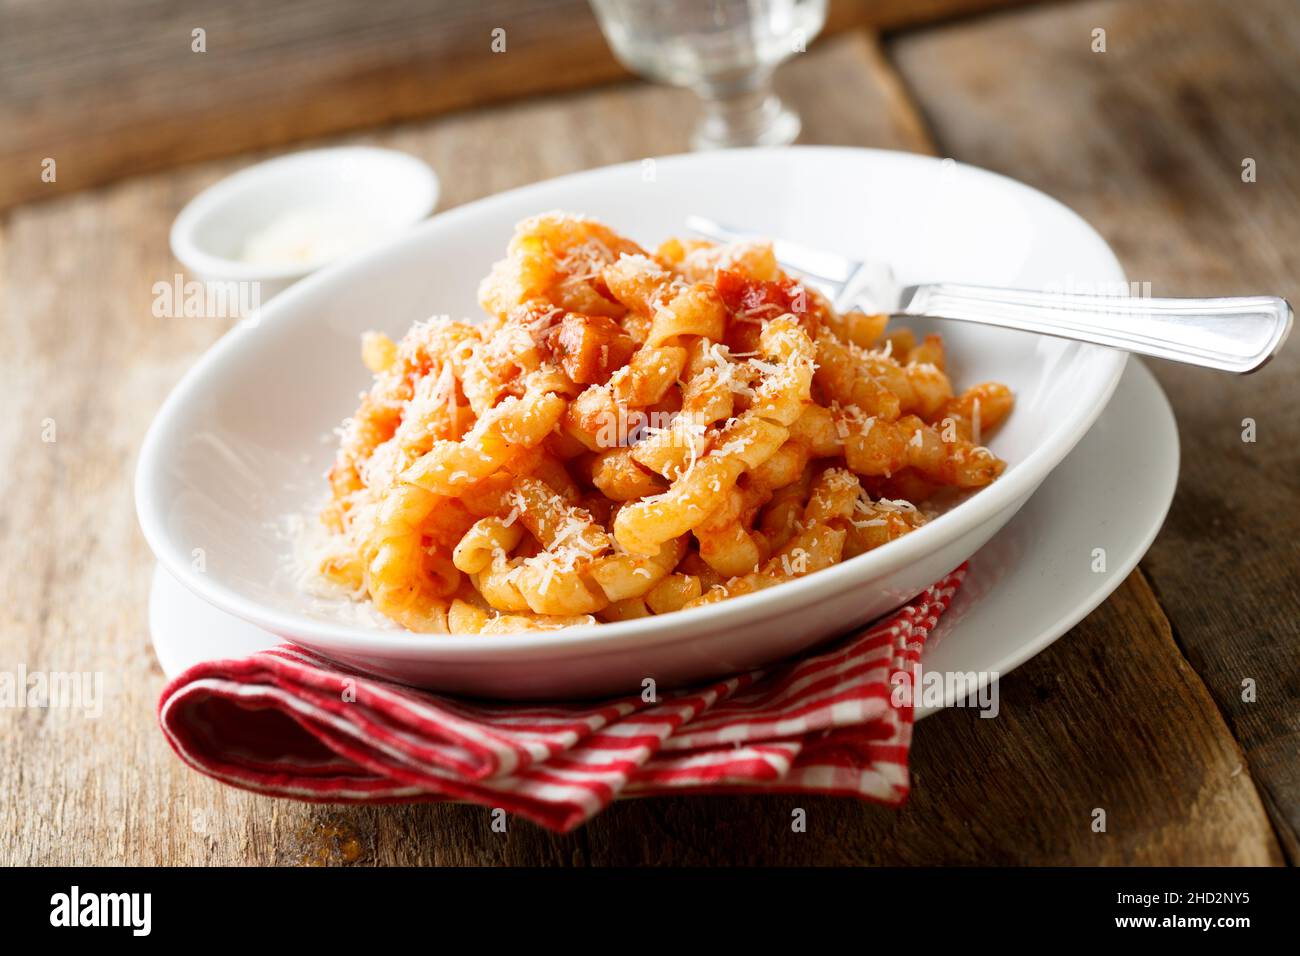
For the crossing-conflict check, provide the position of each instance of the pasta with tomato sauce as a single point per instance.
(630, 433)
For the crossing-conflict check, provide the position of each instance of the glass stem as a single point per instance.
(743, 112)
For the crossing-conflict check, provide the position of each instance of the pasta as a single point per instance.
(630, 434)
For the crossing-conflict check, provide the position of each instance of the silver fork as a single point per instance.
(1233, 334)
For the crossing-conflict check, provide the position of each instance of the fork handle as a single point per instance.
(1237, 334)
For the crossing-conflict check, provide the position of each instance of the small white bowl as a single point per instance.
(346, 198)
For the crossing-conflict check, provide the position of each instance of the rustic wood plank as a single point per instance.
(114, 90)
(1147, 141)
(74, 284)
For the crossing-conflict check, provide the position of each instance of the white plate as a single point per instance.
(1026, 587)
(1075, 542)
(238, 444)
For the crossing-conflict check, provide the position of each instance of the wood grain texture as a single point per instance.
(113, 90)
(1147, 142)
(1111, 717)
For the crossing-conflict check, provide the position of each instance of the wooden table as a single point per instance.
(1139, 710)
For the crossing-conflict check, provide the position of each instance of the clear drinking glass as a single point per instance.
(724, 50)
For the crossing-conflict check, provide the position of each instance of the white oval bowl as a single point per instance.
(239, 443)
(390, 189)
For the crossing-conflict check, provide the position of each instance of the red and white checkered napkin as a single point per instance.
(288, 723)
